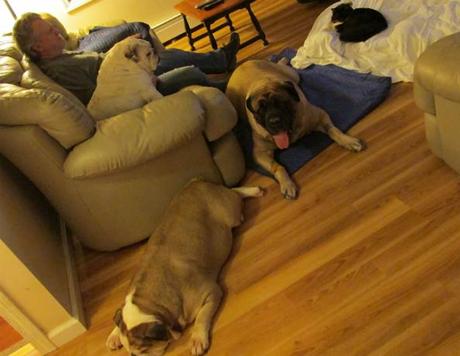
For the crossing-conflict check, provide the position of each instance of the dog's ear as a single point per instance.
(152, 331)
(117, 318)
(249, 105)
(175, 331)
(290, 89)
(131, 52)
(261, 102)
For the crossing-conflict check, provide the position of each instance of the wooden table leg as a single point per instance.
(188, 31)
(211, 36)
(229, 23)
(256, 24)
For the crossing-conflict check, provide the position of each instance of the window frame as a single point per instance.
(75, 4)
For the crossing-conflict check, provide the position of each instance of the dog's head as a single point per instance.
(141, 52)
(149, 337)
(274, 108)
(341, 12)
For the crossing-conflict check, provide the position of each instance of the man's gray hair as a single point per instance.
(24, 36)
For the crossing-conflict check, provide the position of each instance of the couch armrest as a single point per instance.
(137, 136)
(221, 116)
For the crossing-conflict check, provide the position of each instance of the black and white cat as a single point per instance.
(357, 25)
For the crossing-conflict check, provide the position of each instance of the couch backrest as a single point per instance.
(27, 97)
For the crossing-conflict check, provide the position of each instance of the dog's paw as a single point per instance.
(355, 144)
(199, 343)
(257, 192)
(288, 189)
(113, 342)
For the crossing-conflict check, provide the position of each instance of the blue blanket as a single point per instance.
(101, 39)
(345, 95)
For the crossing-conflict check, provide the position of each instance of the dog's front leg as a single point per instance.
(349, 142)
(202, 325)
(266, 160)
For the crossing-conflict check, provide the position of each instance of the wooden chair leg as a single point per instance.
(230, 23)
(256, 24)
(210, 34)
(188, 31)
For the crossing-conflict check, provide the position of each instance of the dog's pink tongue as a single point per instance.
(281, 140)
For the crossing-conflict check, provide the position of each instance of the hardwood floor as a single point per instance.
(365, 262)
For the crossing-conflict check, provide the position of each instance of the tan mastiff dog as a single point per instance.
(267, 95)
(177, 279)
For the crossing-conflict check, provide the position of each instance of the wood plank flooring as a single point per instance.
(365, 262)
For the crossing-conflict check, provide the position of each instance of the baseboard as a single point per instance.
(72, 275)
(171, 28)
(76, 325)
(66, 332)
(16, 318)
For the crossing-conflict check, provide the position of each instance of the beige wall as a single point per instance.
(28, 293)
(152, 12)
(33, 270)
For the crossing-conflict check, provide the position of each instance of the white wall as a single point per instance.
(6, 19)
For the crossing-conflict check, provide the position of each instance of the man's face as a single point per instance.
(48, 42)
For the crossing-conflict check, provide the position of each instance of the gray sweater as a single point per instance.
(75, 71)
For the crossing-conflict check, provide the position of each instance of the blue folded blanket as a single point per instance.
(344, 94)
(101, 39)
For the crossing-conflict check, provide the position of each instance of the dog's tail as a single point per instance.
(249, 192)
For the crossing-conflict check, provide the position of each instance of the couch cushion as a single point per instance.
(34, 78)
(56, 114)
(221, 116)
(7, 48)
(10, 70)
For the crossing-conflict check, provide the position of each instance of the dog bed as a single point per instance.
(412, 26)
(344, 94)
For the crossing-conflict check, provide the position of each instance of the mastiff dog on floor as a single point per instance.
(268, 96)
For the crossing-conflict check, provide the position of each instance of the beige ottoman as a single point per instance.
(437, 93)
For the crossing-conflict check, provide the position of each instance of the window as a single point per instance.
(7, 17)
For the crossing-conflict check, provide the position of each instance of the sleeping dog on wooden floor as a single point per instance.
(177, 280)
(357, 25)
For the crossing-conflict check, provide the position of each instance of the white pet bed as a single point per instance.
(412, 26)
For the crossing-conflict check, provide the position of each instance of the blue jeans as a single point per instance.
(179, 78)
(101, 39)
(211, 62)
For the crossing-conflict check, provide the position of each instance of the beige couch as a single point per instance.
(437, 93)
(111, 180)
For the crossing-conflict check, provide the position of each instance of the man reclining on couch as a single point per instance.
(77, 71)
